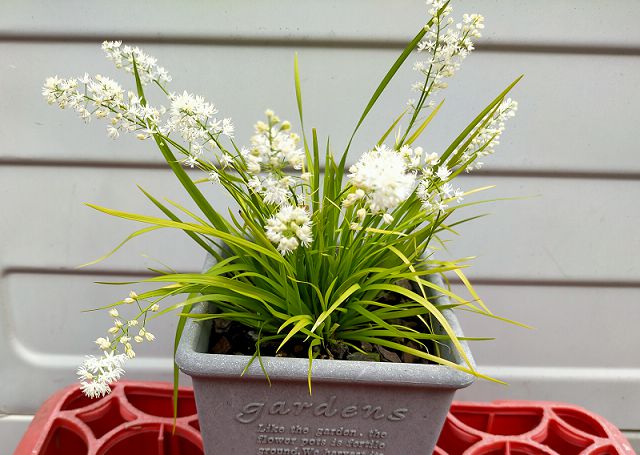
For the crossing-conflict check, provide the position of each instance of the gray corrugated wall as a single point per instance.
(565, 261)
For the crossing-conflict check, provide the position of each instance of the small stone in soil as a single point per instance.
(222, 346)
(388, 355)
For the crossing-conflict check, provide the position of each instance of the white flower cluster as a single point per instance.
(194, 119)
(447, 47)
(147, 66)
(190, 116)
(489, 134)
(434, 188)
(435, 194)
(289, 228)
(103, 98)
(273, 149)
(96, 374)
(383, 178)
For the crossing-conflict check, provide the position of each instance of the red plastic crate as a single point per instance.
(137, 418)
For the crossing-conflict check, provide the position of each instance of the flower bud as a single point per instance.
(103, 343)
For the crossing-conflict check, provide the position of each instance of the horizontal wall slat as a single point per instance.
(570, 22)
(61, 303)
(565, 102)
(571, 327)
(575, 331)
(11, 430)
(567, 229)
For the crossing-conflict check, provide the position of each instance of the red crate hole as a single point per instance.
(510, 447)
(65, 441)
(606, 450)
(524, 448)
(105, 418)
(454, 440)
(77, 400)
(159, 403)
(581, 421)
(564, 441)
(151, 440)
(506, 423)
(195, 424)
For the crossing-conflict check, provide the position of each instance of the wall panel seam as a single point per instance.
(337, 43)
(477, 280)
(149, 165)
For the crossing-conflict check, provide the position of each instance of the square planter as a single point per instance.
(356, 407)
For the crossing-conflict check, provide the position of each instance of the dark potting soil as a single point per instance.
(230, 337)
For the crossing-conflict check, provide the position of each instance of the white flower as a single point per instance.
(447, 190)
(129, 352)
(289, 228)
(84, 373)
(432, 159)
(383, 175)
(443, 172)
(446, 47)
(227, 127)
(103, 343)
(191, 161)
(275, 191)
(193, 118)
(275, 149)
(124, 56)
(96, 374)
(489, 136)
(111, 360)
(112, 132)
(113, 312)
(111, 376)
(354, 197)
(225, 160)
(95, 389)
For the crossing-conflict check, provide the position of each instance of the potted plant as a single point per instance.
(320, 323)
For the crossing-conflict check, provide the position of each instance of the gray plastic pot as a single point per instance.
(356, 408)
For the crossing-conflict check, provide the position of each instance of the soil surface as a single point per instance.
(234, 338)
